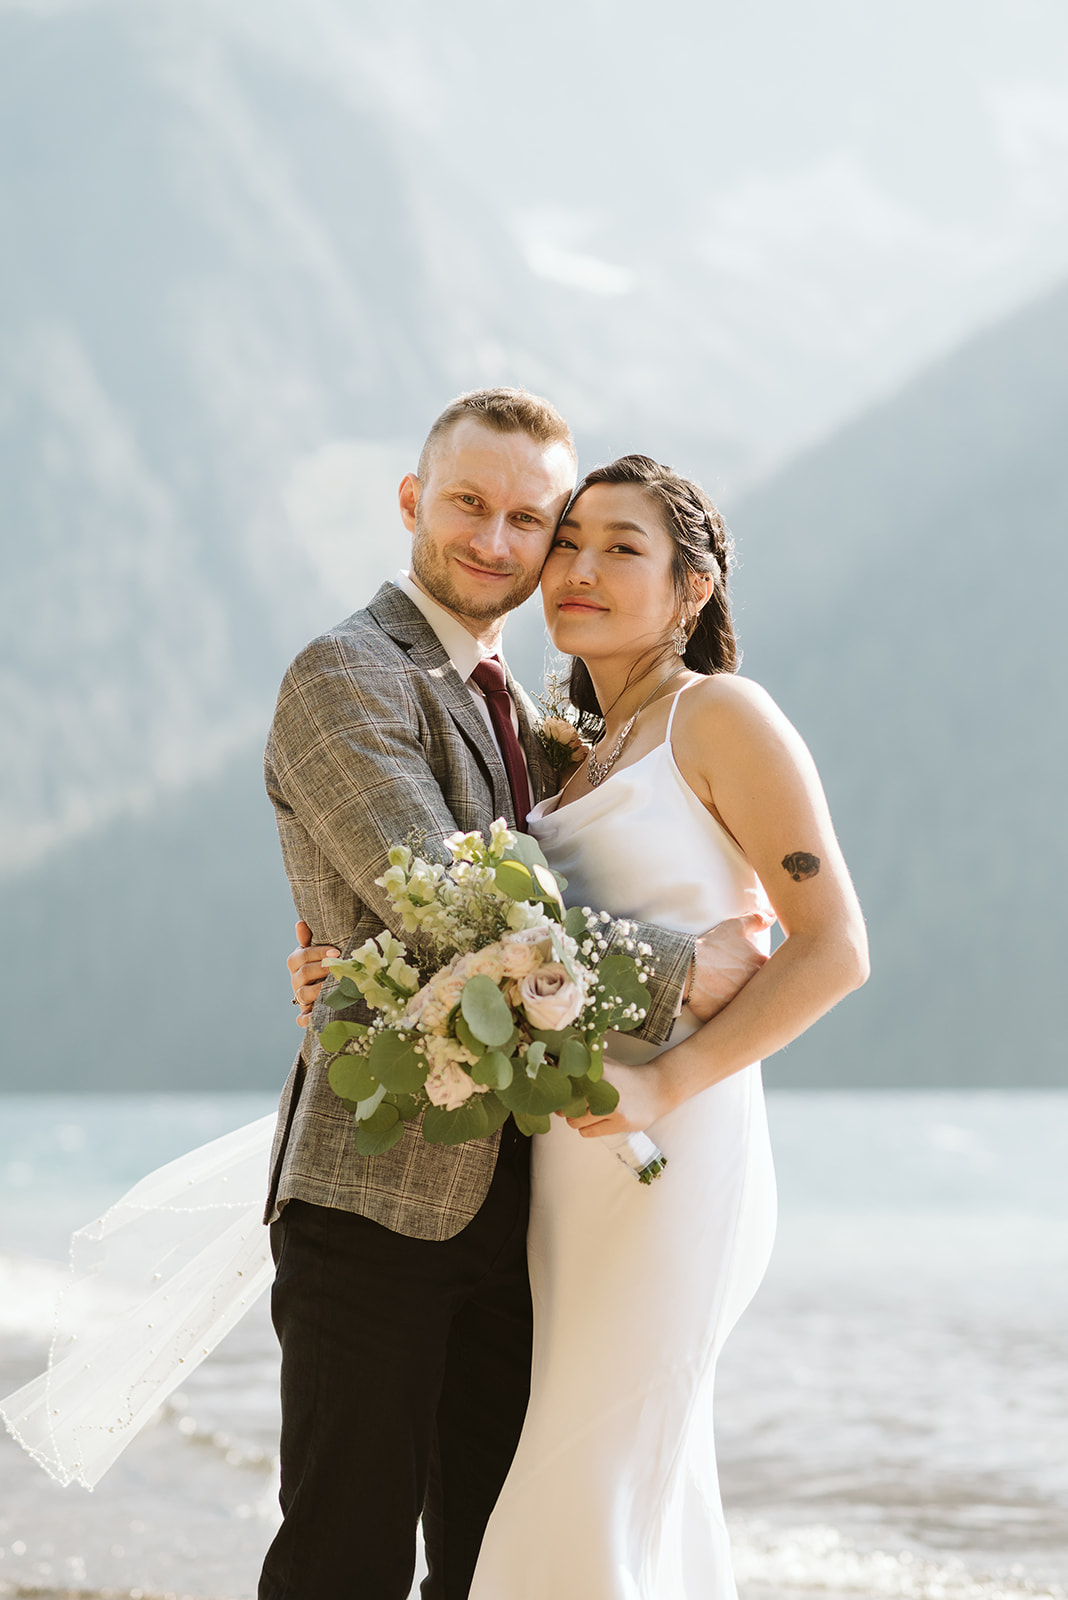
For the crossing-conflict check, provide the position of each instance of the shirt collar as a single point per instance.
(463, 650)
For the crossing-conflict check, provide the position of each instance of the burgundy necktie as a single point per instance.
(489, 675)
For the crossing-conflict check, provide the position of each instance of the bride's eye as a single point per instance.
(562, 542)
(622, 549)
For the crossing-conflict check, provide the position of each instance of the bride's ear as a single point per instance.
(703, 586)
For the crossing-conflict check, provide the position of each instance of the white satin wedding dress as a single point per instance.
(613, 1493)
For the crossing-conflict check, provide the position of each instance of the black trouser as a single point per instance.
(405, 1374)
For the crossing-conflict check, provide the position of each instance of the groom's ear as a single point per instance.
(408, 498)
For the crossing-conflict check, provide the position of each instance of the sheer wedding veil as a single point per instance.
(153, 1286)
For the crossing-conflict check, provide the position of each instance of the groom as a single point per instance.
(401, 1299)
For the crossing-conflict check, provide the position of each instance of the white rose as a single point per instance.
(549, 997)
(524, 914)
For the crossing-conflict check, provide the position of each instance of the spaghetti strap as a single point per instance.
(671, 713)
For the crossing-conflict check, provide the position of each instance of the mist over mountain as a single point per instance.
(902, 596)
(248, 249)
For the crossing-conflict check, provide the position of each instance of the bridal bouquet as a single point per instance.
(499, 1009)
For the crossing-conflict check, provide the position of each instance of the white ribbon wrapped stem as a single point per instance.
(638, 1152)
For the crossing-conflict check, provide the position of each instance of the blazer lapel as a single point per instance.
(404, 622)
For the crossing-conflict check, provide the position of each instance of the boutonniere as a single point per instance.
(558, 732)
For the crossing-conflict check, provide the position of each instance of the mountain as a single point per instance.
(902, 597)
(248, 250)
(900, 594)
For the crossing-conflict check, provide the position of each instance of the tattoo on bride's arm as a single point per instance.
(799, 864)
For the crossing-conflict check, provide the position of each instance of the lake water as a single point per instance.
(892, 1411)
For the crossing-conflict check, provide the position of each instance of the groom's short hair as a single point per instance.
(504, 410)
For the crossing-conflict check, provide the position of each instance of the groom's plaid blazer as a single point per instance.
(376, 734)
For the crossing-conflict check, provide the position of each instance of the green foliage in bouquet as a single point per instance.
(498, 1008)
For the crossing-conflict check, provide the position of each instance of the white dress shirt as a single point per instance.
(463, 650)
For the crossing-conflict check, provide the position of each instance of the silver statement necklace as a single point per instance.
(597, 771)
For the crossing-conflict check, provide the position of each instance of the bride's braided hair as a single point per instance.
(702, 544)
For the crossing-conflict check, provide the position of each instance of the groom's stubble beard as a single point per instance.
(432, 570)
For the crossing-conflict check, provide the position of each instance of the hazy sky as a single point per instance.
(711, 231)
(836, 190)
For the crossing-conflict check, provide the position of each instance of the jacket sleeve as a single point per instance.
(667, 968)
(348, 764)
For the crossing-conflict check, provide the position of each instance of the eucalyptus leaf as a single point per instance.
(536, 1096)
(527, 850)
(351, 1078)
(618, 977)
(531, 1125)
(468, 1121)
(349, 990)
(494, 1069)
(338, 1033)
(596, 1066)
(338, 1001)
(394, 1063)
(574, 1058)
(601, 1096)
(380, 1132)
(465, 1035)
(515, 880)
(365, 1109)
(408, 1105)
(535, 1057)
(575, 923)
(486, 1011)
(554, 1039)
(496, 1112)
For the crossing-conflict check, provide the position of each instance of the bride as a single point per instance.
(699, 803)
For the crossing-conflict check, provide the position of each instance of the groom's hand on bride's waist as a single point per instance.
(725, 958)
(306, 971)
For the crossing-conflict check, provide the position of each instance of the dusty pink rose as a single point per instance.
(549, 997)
(563, 732)
(524, 950)
(449, 1085)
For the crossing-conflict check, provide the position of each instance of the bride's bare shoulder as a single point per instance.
(725, 713)
(726, 696)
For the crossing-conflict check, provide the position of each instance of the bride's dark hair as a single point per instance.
(702, 545)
